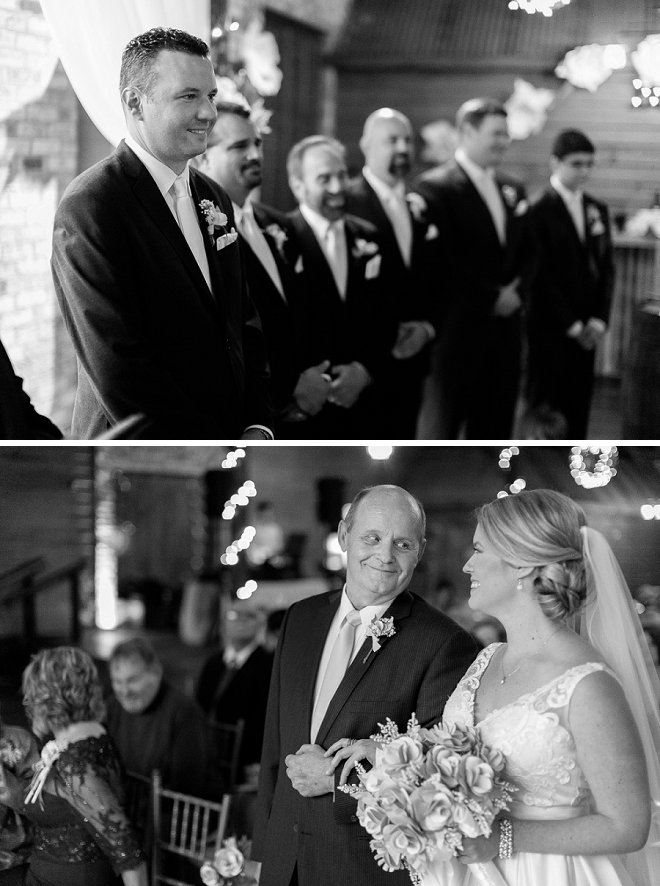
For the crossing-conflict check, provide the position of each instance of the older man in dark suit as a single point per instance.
(329, 684)
(480, 255)
(379, 195)
(147, 269)
(571, 289)
(346, 310)
(233, 159)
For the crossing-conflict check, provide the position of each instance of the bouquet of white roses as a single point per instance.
(427, 790)
(227, 867)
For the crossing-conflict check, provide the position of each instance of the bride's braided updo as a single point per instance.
(541, 528)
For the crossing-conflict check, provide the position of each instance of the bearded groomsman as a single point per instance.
(378, 194)
(572, 286)
(233, 159)
(480, 215)
(347, 314)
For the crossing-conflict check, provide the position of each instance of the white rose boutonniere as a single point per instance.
(364, 247)
(380, 629)
(417, 205)
(275, 232)
(216, 218)
(595, 221)
(510, 196)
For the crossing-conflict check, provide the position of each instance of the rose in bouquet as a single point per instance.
(427, 790)
(227, 867)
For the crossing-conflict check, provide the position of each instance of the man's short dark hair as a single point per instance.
(295, 159)
(476, 110)
(572, 141)
(136, 647)
(225, 109)
(140, 54)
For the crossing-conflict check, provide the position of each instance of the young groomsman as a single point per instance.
(572, 287)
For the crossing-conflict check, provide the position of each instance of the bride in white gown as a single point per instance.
(575, 718)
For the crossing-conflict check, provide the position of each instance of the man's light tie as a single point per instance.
(397, 209)
(491, 194)
(340, 658)
(187, 219)
(335, 247)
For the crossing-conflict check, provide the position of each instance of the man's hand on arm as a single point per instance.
(411, 338)
(313, 388)
(350, 379)
(508, 301)
(307, 770)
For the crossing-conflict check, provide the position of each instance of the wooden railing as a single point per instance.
(637, 279)
(23, 583)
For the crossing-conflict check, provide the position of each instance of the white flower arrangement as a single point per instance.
(380, 629)
(227, 867)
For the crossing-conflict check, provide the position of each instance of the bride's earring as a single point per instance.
(519, 586)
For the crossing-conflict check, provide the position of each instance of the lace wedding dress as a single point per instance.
(533, 734)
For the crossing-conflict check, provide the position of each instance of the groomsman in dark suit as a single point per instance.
(233, 159)
(378, 194)
(572, 286)
(147, 270)
(329, 684)
(346, 306)
(480, 255)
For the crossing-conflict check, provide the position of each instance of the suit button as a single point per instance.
(295, 829)
(354, 818)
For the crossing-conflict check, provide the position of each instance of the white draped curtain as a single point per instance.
(90, 35)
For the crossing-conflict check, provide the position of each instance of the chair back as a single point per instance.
(225, 741)
(137, 805)
(184, 826)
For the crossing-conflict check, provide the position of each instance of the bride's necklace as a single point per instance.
(505, 677)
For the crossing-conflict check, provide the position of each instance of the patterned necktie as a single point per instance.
(335, 251)
(187, 220)
(340, 659)
(255, 238)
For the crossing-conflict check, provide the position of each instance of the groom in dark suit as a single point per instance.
(233, 159)
(571, 290)
(379, 195)
(147, 269)
(480, 215)
(307, 832)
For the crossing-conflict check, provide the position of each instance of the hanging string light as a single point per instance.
(506, 456)
(593, 466)
(230, 556)
(545, 7)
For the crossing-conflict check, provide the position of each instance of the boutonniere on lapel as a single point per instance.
(595, 221)
(510, 195)
(275, 232)
(417, 205)
(380, 629)
(215, 218)
(364, 248)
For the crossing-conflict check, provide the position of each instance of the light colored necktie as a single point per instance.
(397, 211)
(335, 250)
(187, 220)
(491, 194)
(577, 213)
(340, 659)
(255, 238)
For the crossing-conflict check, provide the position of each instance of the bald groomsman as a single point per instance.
(233, 159)
(347, 304)
(481, 216)
(378, 194)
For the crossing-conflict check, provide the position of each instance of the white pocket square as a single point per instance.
(431, 233)
(372, 268)
(299, 265)
(226, 239)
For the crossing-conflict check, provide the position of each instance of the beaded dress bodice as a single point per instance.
(533, 734)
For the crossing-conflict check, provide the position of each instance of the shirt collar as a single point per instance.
(318, 223)
(571, 198)
(476, 172)
(238, 657)
(367, 614)
(161, 174)
(385, 192)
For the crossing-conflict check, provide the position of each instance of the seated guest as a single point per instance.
(346, 313)
(233, 159)
(234, 681)
(82, 835)
(571, 290)
(378, 194)
(19, 420)
(153, 724)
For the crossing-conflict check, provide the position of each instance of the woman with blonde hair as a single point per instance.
(83, 837)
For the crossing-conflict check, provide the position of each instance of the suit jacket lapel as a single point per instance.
(217, 282)
(566, 219)
(398, 611)
(475, 203)
(314, 254)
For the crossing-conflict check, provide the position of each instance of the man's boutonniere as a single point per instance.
(417, 205)
(363, 247)
(380, 629)
(595, 221)
(280, 237)
(510, 195)
(215, 218)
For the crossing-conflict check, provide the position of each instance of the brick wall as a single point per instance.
(38, 156)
